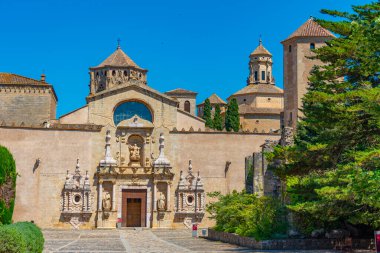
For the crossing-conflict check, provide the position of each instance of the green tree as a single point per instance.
(232, 121)
(7, 185)
(247, 215)
(218, 120)
(207, 113)
(332, 171)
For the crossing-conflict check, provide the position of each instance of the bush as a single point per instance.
(7, 185)
(248, 215)
(21, 237)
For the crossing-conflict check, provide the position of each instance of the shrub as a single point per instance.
(21, 237)
(248, 215)
(7, 185)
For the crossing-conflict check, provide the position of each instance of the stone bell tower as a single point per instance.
(117, 70)
(260, 66)
(297, 48)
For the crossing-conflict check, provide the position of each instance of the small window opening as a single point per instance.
(256, 76)
(263, 75)
(312, 46)
(290, 48)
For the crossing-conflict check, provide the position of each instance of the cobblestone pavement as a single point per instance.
(136, 241)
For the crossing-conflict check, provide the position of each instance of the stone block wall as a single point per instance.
(31, 105)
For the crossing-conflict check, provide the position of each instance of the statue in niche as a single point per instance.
(106, 203)
(161, 202)
(134, 152)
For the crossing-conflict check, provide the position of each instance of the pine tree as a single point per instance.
(232, 116)
(332, 172)
(218, 120)
(207, 113)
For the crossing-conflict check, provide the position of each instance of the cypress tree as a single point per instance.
(218, 120)
(207, 113)
(232, 116)
(8, 176)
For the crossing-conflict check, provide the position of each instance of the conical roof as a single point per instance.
(118, 59)
(215, 99)
(261, 50)
(310, 29)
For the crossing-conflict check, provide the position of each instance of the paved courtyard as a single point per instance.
(135, 241)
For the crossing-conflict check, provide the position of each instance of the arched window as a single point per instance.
(256, 76)
(312, 46)
(263, 75)
(187, 106)
(129, 109)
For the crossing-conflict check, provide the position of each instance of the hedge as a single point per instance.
(8, 176)
(21, 237)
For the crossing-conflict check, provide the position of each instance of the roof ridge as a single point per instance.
(24, 77)
(310, 29)
(124, 60)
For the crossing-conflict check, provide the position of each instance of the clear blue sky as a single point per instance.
(200, 45)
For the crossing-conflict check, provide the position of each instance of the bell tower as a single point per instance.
(260, 66)
(117, 70)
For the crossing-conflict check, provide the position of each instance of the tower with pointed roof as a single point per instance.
(117, 70)
(297, 66)
(260, 66)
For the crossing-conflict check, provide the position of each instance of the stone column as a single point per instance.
(113, 195)
(154, 196)
(168, 196)
(100, 195)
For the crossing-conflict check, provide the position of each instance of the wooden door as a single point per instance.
(132, 200)
(133, 212)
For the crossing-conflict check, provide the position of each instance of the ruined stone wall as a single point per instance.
(31, 105)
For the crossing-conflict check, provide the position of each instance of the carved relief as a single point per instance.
(190, 193)
(76, 198)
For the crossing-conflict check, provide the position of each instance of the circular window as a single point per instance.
(129, 109)
(190, 199)
(77, 198)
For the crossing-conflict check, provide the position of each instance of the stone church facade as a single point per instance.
(132, 156)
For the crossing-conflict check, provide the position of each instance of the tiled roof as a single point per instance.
(259, 88)
(180, 91)
(261, 50)
(118, 59)
(215, 99)
(311, 29)
(8, 78)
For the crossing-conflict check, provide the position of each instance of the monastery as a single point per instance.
(137, 157)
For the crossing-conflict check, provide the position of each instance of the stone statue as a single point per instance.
(106, 203)
(134, 152)
(161, 203)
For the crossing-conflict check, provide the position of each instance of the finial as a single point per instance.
(260, 41)
(312, 18)
(118, 43)
(77, 166)
(190, 166)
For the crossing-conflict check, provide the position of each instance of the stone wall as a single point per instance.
(284, 244)
(31, 105)
(43, 157)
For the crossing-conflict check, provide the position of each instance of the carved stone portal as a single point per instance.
(76, 198)
(190, 196)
